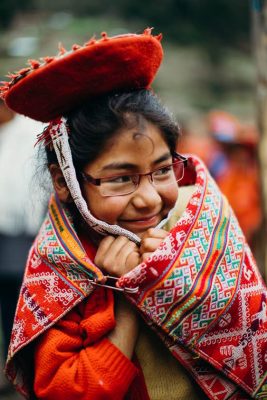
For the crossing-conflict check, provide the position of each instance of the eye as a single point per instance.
(163, 171)
(119, 179)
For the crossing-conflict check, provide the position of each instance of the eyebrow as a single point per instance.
(131, 167)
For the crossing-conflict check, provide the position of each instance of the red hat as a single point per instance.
(224, 126)
(51, 88)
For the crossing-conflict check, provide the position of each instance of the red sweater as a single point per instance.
(74, 359)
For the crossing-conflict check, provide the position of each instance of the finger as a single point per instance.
(155, 233)
(102, 250)
(118, 245)
(132, 260)
(109, 255)
(125, 251)
(123, 264)
(150, 244)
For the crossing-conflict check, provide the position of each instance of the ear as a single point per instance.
(59, 184)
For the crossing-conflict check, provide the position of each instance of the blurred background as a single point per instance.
(207, 44)
(209, 79)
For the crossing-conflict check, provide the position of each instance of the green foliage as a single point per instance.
(209, 23)
(8, 9)
(204, 22)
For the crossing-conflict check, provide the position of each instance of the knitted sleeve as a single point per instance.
(75, 360)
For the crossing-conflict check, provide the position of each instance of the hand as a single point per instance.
(151, 241)
(125, 333)
(117, 256)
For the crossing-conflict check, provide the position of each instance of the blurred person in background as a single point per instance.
(229, 150)
(235, 168)
(19, 217)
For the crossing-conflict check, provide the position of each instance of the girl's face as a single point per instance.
(140, 149)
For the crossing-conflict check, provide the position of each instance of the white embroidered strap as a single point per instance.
(59, 136)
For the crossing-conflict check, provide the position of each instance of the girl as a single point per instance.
(115, 171)
(123, 149)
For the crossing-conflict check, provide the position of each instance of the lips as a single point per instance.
(149, 221)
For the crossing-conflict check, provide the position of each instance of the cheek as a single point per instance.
(107, 209)
(170, 196)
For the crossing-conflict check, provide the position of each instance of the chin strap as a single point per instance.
(58, 132)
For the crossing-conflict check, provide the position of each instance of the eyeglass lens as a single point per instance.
(127, 184)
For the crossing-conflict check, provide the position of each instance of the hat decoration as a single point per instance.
(53, 86)
(49, 89)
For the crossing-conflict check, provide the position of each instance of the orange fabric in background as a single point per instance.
(238, 180)
(240, 184)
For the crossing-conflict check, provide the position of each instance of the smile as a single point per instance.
(151, 220)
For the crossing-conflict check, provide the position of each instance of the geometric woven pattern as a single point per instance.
(203, 291)
(200, 291)
(55, 280)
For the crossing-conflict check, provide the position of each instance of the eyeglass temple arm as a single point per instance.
(182, 158)
(90, 179)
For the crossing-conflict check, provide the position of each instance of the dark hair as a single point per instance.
(93, 124)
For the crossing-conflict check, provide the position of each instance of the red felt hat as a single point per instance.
(51, 88)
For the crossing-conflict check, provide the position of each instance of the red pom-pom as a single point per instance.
(48, 60)
(148, 31)
(90, 42)
(13, 75)
(23, 71)
(44, 137)
(62, 49)
(76, 47)
(104, 36)
(4, 89)
(34, 64)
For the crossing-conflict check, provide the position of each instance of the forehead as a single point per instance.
(144, 137)
(138, 145)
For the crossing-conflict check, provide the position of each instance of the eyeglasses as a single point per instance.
(121, 185)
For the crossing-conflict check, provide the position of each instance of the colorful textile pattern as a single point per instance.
(201, 290)
(55, 280)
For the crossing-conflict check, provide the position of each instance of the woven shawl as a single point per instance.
(200, 291)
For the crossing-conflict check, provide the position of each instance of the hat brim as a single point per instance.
(126, 62)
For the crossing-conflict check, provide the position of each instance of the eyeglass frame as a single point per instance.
(97, 181)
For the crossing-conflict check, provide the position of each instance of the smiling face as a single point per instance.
(138, 149)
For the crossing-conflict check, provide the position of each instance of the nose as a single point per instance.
(146, 195)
